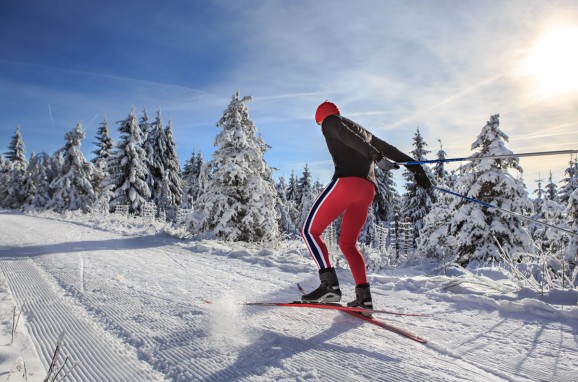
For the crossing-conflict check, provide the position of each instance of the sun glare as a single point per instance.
(554, 61)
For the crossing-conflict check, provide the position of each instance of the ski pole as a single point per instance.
(502, 209)
(542, 153)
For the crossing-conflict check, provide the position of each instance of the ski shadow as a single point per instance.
(271, 349)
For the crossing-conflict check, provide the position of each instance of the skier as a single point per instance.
(354, 151)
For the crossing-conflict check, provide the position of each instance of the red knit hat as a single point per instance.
(325, 109)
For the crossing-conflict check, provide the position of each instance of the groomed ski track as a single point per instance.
(131, 309)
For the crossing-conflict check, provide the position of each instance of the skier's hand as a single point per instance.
(386, 165)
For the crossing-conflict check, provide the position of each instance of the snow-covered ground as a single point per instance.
(131, 305)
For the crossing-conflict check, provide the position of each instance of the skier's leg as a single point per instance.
(326, 208)
(353, 221)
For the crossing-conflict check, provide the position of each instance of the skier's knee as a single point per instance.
(347, 246)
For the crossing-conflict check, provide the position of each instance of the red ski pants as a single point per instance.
(353, 196)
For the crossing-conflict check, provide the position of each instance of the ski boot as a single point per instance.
(363, 298)
(328, 291)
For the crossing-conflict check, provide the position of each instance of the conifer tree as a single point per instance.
(72, 189)
(477, 228)
(105, 146)
(551, 189)
(15, 191)
(538, 202)
(127, 167)
(153, 137)
(286, 224)
(304, 185)
(39, 175)
(571, 255)
(417, 201)
(570, 182)
(16, 149)
(171, 195)
(293, 188)
(386, 203)
(164, 174)
(239, 197)
(306, 195)
(145, 127)
(191, 179)
(439, 171)
(3, 181)
(435, 240)
(550, 240)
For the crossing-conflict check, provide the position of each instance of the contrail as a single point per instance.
(447, 100)
(50, 113)
(90, 123)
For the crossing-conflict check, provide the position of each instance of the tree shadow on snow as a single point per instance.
(142, 242)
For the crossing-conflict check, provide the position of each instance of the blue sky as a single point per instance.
(393, 66)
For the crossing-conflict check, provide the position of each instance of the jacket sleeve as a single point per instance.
(392, 153)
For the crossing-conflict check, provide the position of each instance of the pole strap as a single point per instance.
(503, 209)
(535, 154)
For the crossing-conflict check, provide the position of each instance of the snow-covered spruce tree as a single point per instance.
(16, 186)
(151, 135)
(439, 171)
(306, 195)
(239, 197)
(3, 180)
(286, 225)
(417, 201)
(172, 194)
(145, 127)
(387, 198)
(39, 175)
(72, 189)
(538, 201)
(476, 227)
(304, 185)
(571, 255)
(127, 167)
(435, 241)
(164, 173)
(105, 147)
(293, 188)
(293, 198)
(551, 189)
(570, 183)
(190, 179)
(548, 239)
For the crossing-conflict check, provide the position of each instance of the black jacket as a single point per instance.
(355, 150)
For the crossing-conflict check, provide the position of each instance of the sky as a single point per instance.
(393, 66)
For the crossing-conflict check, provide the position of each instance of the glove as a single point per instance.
(386, 165)
(422, 180)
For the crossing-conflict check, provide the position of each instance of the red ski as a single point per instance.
(333, 306)
(392, 328)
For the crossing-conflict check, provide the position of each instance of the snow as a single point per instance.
(131, 303)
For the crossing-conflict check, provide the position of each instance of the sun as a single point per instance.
(553, 61)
